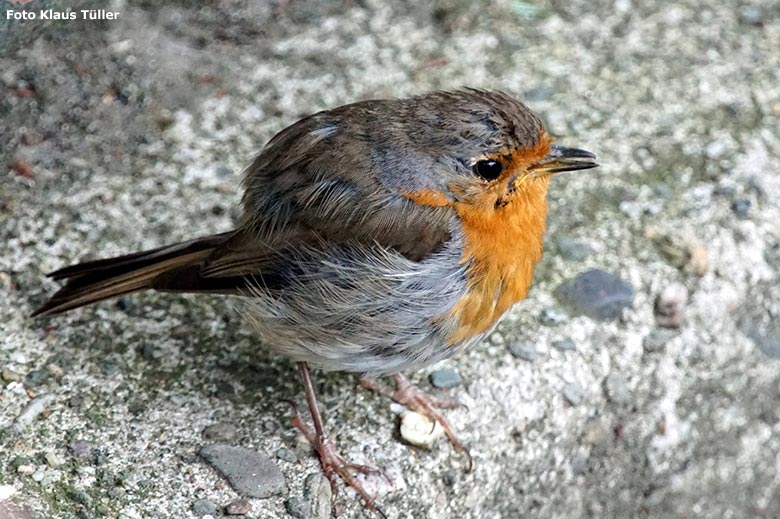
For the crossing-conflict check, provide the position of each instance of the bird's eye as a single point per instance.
(488, 169)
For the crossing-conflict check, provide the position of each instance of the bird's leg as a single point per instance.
(332, 463)
(407, 394)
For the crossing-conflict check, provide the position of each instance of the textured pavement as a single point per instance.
(127, 134)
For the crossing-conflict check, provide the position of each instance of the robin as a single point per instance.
(377, 237)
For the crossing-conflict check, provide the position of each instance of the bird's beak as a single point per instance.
(563, 159)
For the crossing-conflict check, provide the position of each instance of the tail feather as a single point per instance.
(95, 281)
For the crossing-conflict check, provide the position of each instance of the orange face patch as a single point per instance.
(429, 197)
(502, 242)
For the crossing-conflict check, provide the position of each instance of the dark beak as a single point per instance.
(562, 159)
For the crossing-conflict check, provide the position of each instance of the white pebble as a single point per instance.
(6, 491)
(420, 430)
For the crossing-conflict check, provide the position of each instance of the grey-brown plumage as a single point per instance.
(336, 253)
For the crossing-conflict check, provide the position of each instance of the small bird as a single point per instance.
(377, 237)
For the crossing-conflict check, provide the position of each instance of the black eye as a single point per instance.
(488, 169)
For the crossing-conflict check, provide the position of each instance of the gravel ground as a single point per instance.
(127, 134)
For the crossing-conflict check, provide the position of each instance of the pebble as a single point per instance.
(741, 207)
(34, 408)
(525, 350)
(596, 294)
(38, 475)
(616, 387)
(573, 393)
(419, 430)
(316, 489)
(6, 491)
(37, 377)
(201, 507)
(10, 376)
(53, 460)
(238, 507)
(580, 465)
(566, 344)
(55, 370)
(752, 15)
(497, 339)
(445, 378)
(287, 455)
(220, 432)
(249, 472)
(573, 250)
(697, 261)
(595, 433)
(670, 306)
(298, 507)
(25, 469)
(765, 333)
(552, 316)
(81, 449)
(657, 339)
(148, 352)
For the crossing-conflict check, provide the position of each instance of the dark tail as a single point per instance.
(172, 268)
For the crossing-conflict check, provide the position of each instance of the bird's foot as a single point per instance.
(417, 400)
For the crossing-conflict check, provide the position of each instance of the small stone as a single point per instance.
(595, 433)
(580, 465)
(220, 432)
(38, 475)
(201, 507)
(148, 352)
(419, 430)
(657, 339)
(317, 490)
(25, 470)
(249, 472)
(34, 408)
(445, 378)
(552, 316)
(53, 460)
(573, 250)
(572, 392)
(287, 455)
(698, 260)
(566, 344)
(55, 370)
(616, 387)
(497, 339)
(525, 350)
(752, 15)
(136, 407)
(670, 306)
(741, 207)
(6, 491)
(10, 376)
(238, 507)
(37, 377)
(597, 294)
(81, 449)
(76, 400)
(298, 507)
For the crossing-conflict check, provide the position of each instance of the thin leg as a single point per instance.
(332, 463)
(407, 394)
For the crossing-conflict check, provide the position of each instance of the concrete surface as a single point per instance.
(127, 134)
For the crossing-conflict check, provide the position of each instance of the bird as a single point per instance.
(378, 237)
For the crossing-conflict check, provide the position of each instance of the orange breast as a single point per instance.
(501, 248)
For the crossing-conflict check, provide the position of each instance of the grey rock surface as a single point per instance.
(597, 294)
(127, 134)
(249, 472)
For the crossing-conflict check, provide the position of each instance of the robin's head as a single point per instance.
(475, 148)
